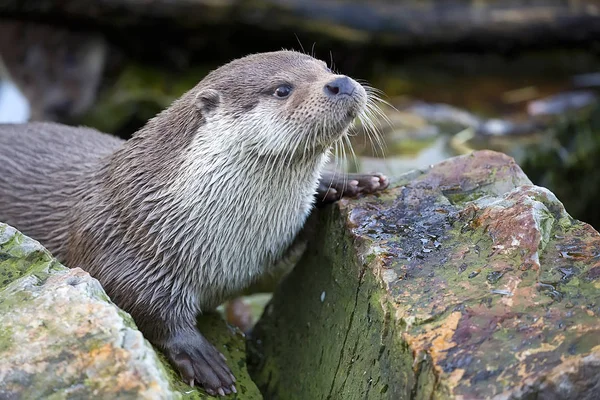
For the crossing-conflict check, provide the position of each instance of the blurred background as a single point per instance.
(517, 76)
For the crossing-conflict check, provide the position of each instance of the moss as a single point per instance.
(20, 255)
(127, 319)
(6, 338)
(461, 197)
(425, 388)
(349, 342)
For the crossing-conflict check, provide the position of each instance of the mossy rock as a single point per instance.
(61, 337)
(461, 281)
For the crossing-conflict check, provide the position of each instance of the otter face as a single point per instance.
(281, 102)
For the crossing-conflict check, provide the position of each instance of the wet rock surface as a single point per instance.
(61, 337)
(464, 280)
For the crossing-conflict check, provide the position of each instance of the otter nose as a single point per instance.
(339, 86)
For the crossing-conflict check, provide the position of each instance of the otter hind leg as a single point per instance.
(200, 362)
(335, 185)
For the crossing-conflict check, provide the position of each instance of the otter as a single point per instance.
(201, 202)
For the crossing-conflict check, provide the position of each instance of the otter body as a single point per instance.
(199, 204)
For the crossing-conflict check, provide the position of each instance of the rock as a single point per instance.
(400, 23)
(461, 281)
(557, 143)
(566, 161)
(503, 127)
(61, 337)
(558, 104)
(450, 116)
(445, 114)
(591, 79)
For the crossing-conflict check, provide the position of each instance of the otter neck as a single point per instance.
(245, 214)
(229, 214)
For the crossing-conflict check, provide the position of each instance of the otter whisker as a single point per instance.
(335, 171)
(365, 120)
(337, 166)
(296, 142)
(349, 143)
(371, 118)
(300, 43)
(371, 129)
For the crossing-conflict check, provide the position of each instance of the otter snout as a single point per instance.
(348, 96)
(340, 86)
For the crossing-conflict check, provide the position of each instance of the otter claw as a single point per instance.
(199, 362)
(334, 186)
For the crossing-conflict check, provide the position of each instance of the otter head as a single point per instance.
(279, 102)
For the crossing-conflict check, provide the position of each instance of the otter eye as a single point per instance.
(283, 91)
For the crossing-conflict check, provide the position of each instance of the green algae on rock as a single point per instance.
(61, 337)
(462, 281)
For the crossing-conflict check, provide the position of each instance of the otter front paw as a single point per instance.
(333, 186)
(199, 362)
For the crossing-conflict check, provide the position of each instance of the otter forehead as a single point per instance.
(258, 72)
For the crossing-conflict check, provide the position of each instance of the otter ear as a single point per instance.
(207, 101)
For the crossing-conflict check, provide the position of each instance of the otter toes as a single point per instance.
(365, 183)
(200, 363)
(334, 186)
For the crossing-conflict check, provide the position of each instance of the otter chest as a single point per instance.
(238, 226)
